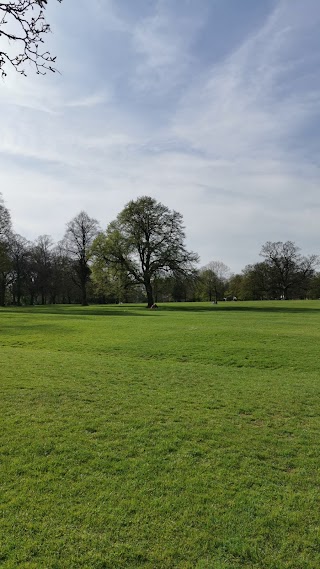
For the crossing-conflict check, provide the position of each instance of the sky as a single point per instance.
(210, 106)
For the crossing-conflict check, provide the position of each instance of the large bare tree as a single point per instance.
(80, 233)
(213, 278)
(288, 269)
(22, 30)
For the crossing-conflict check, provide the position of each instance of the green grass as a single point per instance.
(181, 438)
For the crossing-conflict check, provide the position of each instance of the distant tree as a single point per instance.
(234, 287)
(5, 220)
(78, 239)
(289, 271)
(305, 275)
(257, 282)
(62, 287)
(111, 283)
(146, 241)
(212, 280)
(5, 271)
(23, 25)
(5, 261)
(314, 287)
(42, 266)
(19, 253)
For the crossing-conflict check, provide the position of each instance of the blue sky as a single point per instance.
(210, 106)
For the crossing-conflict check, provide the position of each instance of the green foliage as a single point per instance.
(314, 287)
(235, 287)
(146, 241)
(180, 438)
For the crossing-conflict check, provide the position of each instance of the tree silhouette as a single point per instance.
(23, 25)
(80, 233)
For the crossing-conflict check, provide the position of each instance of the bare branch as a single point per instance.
(23, 24)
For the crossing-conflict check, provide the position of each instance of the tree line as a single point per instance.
(140, 257)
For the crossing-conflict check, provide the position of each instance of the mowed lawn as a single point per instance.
(186, 437)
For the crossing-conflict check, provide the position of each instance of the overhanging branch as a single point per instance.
(23, 25)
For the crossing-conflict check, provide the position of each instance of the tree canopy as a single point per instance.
(146, 240)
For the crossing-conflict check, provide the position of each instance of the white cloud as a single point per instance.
(231, 155)
(236, 111)
(91, 100)
(163, 41)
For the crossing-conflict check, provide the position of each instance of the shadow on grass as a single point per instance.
(226, 307)
(141, 310)
(74, 310)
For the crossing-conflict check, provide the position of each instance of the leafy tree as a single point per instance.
(235, 287)
(111, 283)
(79, 236)
(146, 241)
(256, 283)
(314, 287)
(23, 25)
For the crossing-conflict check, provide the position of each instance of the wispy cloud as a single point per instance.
(231, 143)
(244, 105)
(91, 100)
(163, 42)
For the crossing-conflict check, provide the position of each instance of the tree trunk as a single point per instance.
(18, 291)
(83, 273)
(149, 291)
(84, 301)
(2, 292)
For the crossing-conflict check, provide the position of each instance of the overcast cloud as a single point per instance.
(210, 106)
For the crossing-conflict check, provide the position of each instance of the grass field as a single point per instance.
(186, 437)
